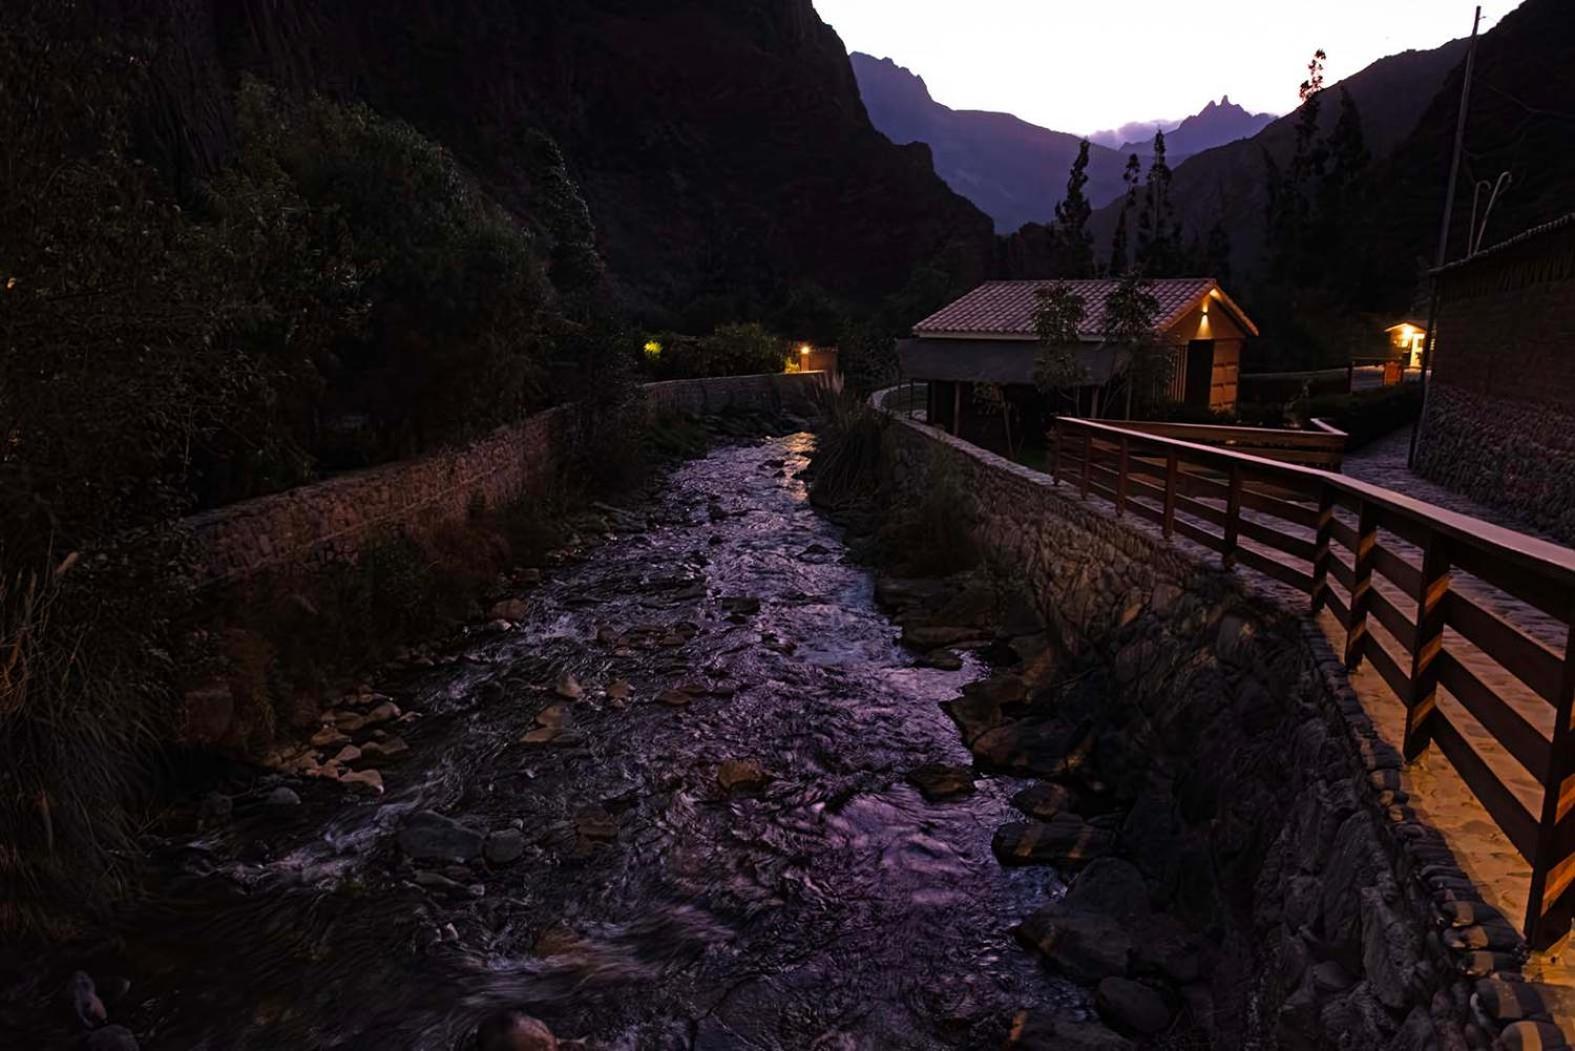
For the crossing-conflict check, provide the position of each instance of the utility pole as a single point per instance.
(1443, 232)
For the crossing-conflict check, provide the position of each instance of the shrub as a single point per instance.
(846, 468)
(731, 350)
(1364, 416)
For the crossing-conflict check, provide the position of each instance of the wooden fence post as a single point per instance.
(1431, 602)
(1121, 477)
(1232, 518)
(1088, 463)
(1171, 482)
(1056, 437)
(1543, 926)
(1322, 550)
(1362, 585)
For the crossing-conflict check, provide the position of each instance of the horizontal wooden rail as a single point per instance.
(1381, 564)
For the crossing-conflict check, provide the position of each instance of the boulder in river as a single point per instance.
(369, 780)
(1045, 800)
(1132, 1007)
(974, 715)
(937, 781)
(1047, 747)
(741, 775)
(568, 687)
(1038, 1031)
(935, 636)
(1065, 839)
(1086, 946)
(511, 609)
(85, 1003)
(504, 846)
(283, 796)
(674, 698)
(429, 836)
(111, 1038)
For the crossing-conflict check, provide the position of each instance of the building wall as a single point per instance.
(1499, 424)
(329, 521)
(1269, 818)
(1228, 337)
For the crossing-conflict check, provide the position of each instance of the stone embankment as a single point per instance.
(1235, 832)
(331, 520)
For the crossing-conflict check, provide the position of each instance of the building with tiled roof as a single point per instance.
(988, 337)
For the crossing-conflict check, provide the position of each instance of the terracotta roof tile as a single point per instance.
(1006, 308)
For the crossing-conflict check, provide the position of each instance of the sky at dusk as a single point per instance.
(1086, 65)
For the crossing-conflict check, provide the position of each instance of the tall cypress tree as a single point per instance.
(1158, 234)
(1120, 252)
(1075, 244)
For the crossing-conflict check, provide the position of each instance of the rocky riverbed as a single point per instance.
(690, 790)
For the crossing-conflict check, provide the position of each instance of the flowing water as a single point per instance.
(834, 908)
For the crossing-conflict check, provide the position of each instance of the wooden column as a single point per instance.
(1322, 550)
(1362, 586)
(1431, 601)
(1553, 867)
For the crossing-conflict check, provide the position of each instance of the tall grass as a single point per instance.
(81, 708)
(846, 468)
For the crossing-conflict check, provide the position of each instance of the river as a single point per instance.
(652, 908)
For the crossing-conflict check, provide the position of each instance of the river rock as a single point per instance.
(504, 846)
(1042, 747)
(674, 698)
(741, 775)
(1112, 886)
(1037, 1031)
(619, 690)
(388, 749)
(937, 781)
(283, 796)
(595, 823)
(511, 609)
(369, 780)
(330, 737)
(974, 715)
(1004, 690)
(568, 687)
(1064, 839)
(1132, 1007)
(1045, 800)
(111, 1038)
(935, 636)
(742, 605)
(942, 660)
(1038, 656)
(899, 593)
(85, 1002)
(1087, 946)
(429, 836)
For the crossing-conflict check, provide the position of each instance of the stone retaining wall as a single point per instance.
(1271, 816)
(330, 520)
(1504, 452)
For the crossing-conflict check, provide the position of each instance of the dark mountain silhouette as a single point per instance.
(721, 144)
(1227, 184)
(1013, 170)
(1214, 125)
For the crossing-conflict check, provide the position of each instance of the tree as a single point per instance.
(1130, 311)
(1158, 245)
(1058, 321)
(1120, 251)
(1074, 243)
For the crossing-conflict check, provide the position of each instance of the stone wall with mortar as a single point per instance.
(330, 520)
(1268, 812)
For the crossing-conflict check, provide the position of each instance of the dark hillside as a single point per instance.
(1521, 120)
(722, 146)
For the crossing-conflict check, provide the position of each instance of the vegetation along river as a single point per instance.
(726, 854)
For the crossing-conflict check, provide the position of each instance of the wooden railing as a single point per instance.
(1324, 446)
(1413, 586)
